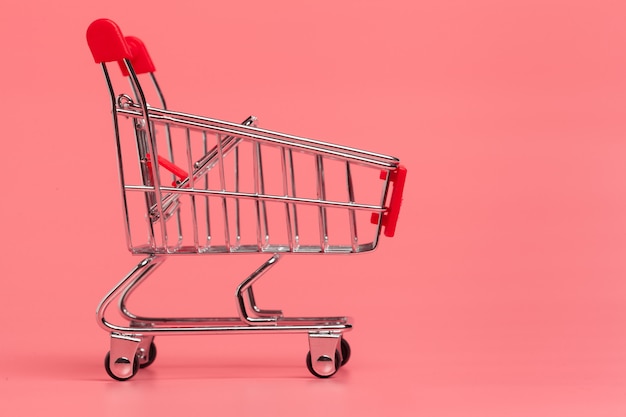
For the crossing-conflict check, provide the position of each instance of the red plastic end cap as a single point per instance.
(398, 176)
(142, 63)
(106, 42)
(390, 216)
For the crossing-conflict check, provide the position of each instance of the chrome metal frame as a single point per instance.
(131, 343)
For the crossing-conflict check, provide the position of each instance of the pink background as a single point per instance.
(502, 293)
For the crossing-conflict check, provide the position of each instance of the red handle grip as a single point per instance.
(390, 217)
(106, 42)
(141, 61)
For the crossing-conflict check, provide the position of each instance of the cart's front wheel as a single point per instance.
(337, 365)
(122, 364)
(150, 356)
(345, 351)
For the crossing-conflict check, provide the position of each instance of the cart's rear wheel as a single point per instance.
(121, 361)
(345, 351)
(309, 365)
(151, 356)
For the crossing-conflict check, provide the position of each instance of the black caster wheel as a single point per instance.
(309, 365)
(120, 361)
(345, 351)
(152, 353)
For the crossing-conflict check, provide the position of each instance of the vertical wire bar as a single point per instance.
(292, 175)
(132, 85)
(194, 217)
(120, 160)
(158, 90)
(170, 150)
(170, 153)
(237, 217)
(257, 204)
(179, 224)
(266, 237)
(353, 231)
(321, 195)
(220, 153)
(146, 175)
(174, 201)
(206, 187)
(152, 147)
(283, 165)
(383, 199)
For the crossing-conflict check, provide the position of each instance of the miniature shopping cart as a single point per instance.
(197, 185)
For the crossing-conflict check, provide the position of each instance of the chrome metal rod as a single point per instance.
(146, 176)
(237, 211)
(246, 284)
(260, 188)
(207, 211)
(228, 141)
(292, 176)
(279, 140)
(267, 197)
(257, 203)
(119, 157)
(126, 286)
(170, 148)
(194, 216)
(135, 92)
(142, 322)
(243, 327)
(353, 231)
(321, 195)
(221, 124)
(223, 186)
(283, 166)
(259, 312)
(266, 236)
(158, 90)
(383, 199)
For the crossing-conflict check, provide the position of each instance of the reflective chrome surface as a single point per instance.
(197, 185)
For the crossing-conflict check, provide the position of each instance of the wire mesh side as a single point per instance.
(239, 194)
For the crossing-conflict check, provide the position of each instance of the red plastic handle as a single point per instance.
(390, 217)
(174, 169)
(141, 61)
(106, 42)
(166, 164)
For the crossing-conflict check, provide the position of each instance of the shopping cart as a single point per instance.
(197, 185)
